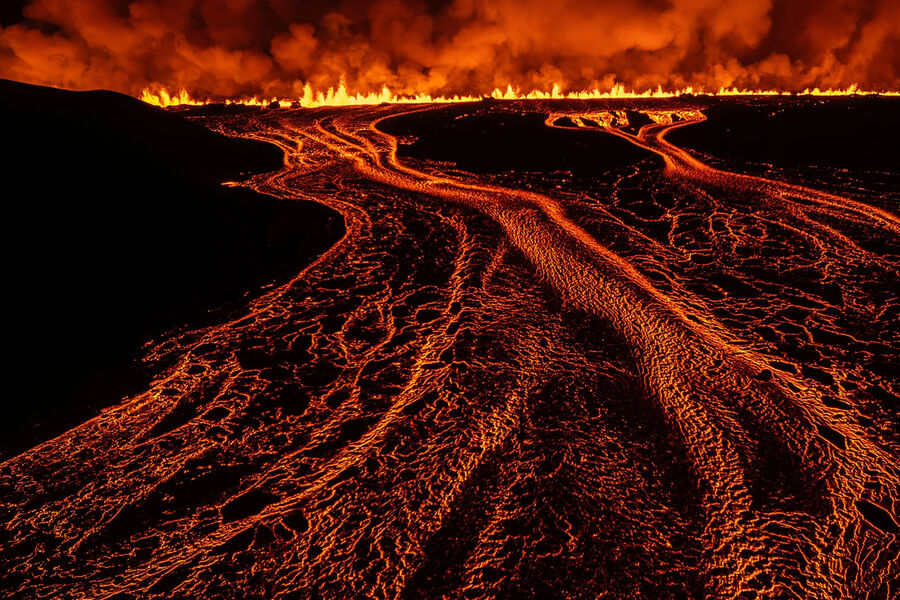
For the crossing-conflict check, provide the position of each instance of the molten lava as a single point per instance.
(623, 370)
(614, 313)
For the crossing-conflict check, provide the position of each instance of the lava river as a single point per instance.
(666, 379)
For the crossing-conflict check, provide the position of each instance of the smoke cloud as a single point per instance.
(239, 48)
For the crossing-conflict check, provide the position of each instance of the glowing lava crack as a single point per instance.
(651, 382)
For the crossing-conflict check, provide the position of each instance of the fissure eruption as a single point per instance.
(241, 49)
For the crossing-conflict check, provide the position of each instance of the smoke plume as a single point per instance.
(239, 48)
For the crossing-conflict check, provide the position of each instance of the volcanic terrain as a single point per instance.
(565, 349)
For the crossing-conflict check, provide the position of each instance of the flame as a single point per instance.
(341, 97)
(333, 97)
(162, 98)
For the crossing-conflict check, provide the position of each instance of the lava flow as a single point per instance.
(556, 355)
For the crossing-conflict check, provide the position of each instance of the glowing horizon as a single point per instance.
(339, 96)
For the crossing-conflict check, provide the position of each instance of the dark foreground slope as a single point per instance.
(117, 229)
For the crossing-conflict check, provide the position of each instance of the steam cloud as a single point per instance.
(233, 48)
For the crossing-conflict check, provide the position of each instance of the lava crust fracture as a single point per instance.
(579, 361)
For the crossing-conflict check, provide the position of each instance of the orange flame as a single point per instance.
(341, 97)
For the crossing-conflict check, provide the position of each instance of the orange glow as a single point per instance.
(341, 97)
(243, 49)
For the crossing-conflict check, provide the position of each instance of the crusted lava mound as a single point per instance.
(484, 138)
(846, 133)
(118, 229)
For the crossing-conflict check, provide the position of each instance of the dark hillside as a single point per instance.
(118, 229)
